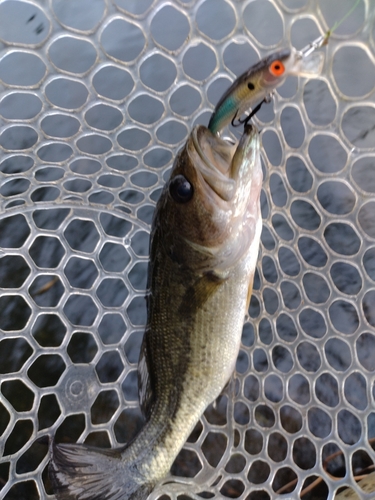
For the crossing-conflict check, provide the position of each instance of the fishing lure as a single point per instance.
(258, 82)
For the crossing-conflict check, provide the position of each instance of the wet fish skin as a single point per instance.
(202, 261)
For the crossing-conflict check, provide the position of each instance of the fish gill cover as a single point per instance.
(96, 98)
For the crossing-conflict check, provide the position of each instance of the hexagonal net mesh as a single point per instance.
(97, 96)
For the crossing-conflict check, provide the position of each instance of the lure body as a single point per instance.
(261, 80)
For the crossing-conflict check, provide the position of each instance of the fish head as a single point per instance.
(208, 213)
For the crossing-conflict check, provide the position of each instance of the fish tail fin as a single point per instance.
(80, 472)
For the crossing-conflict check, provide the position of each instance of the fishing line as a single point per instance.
(338, 23)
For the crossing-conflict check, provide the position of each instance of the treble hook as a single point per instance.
(246, 120)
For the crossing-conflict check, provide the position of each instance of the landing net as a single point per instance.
(96, 98)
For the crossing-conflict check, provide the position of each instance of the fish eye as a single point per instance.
(180, 189)
(277, 68)
(250, 86)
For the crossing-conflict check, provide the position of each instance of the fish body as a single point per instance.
(203, 253)
(259, 81)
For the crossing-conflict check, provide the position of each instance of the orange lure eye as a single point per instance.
(277, 68)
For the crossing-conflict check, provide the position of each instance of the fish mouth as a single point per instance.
(221, 164)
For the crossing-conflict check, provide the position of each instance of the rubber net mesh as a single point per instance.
(96, 98)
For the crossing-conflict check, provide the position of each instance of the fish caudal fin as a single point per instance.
(80, 472)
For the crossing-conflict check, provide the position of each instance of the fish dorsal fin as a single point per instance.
(145, 392)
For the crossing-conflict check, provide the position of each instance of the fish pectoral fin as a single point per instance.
(197, 295)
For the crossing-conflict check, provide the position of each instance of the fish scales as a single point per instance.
(204, 247)
(202, 345)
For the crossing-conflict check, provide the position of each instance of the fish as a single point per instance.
(203, 252)
(260, 80)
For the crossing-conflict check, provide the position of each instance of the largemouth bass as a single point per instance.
(203, 253)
